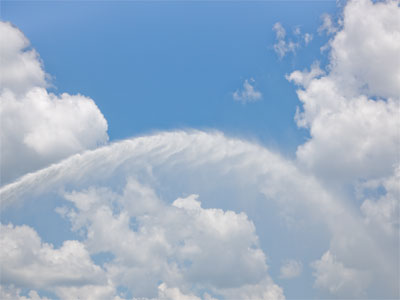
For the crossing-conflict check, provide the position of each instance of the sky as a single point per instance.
(200, 149)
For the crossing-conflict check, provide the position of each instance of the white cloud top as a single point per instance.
(352, 112)
(352, 134)
(21, 68)
(365, 51)
(38, 127)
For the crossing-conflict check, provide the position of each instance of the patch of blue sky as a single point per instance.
(41, 214)
(165, 65)
(102, 257)
(41, 293)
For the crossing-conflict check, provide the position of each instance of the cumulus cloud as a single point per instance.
(364, 51)
(304, 78)
(187, 247)
(181, 243)
(350, 138)
(342, 281)
(354, 135)
(27, 262)
(383, 211)
(170, 235)
(265, 290)
(167, 293)
(21, 67)
(175, 243)
(13, 293)
(352, 112)
(291, 269)
(248, 93)
(38, 127)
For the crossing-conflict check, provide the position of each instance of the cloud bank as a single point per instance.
(352, 112)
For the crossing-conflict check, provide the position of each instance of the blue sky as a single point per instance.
(200, 149)
(176, 64)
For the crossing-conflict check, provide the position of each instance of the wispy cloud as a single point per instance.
(328, 25)
(285, 44)
(291, 269)
(248, 93)
(308, 37)
(282, 46)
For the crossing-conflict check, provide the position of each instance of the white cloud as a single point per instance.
(308, 37)
(285, 45)
(166, 293)
(304, 78)
(291, 269)
(296, 30)
(365, 51)
(282, 46)
(383, 212)
(351, 138)
(352, 112)
(89, 292)
(264, 290)
(38, 127)
(352, 135)
(331, 274)
(248, 93)
(327, 25)
(279, 31)
(120, 197)
(182, 159)
(176, 244)
(12, 293)
(21, 68)
(27, 262)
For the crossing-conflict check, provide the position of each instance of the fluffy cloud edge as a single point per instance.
(39, 128)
